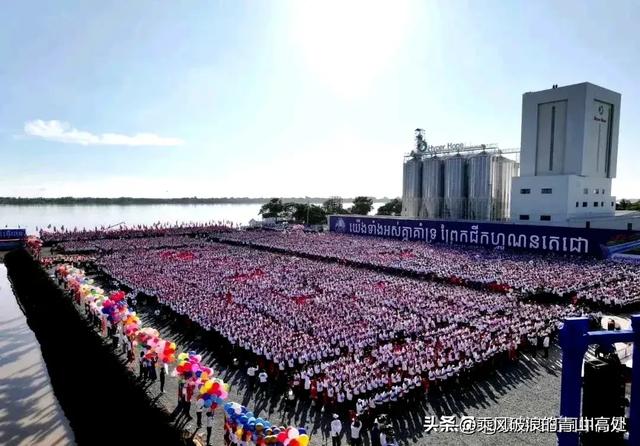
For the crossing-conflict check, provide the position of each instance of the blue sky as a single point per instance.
(268, 98)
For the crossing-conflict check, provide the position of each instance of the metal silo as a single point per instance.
(482, 179)
(505, 170)
(432, 187)
(411, 187)
(454, 187)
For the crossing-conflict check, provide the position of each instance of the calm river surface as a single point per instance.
(32, 217)
(29, 411)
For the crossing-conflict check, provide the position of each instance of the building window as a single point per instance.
(577, 203)
(596, 191)
(595, 204)
(584, 204)
(602, 204)
(525, 191)
(602, 191)
(586, 191)
(545, 218)
(546, 190)
(629, 226)
(524, 217)
(587, 225)
(612, 204)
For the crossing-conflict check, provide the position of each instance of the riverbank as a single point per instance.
(102, 401)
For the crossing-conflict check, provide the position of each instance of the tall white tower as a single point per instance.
(569, 149)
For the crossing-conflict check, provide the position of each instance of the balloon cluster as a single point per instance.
(148, 336)
(166, 350)
(246, 426)
(189, 364)
(116, 310)
(212, 391)
(131, 324)
(115, 307)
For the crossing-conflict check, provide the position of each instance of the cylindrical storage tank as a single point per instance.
(411, 187)
(432, 187)
(481, 173)
(505, 170)
(454, 187)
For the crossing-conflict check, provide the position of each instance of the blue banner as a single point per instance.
(564, 240)
(12, 233)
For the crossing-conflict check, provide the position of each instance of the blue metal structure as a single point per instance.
(12, 238)
(575, 338)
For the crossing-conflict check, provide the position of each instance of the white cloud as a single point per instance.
(63, 132)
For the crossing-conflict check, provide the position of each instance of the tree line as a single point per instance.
(132, 200)
(628, 205)
(313, 214)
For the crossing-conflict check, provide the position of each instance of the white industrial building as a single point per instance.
(567, 160)
(568, 157)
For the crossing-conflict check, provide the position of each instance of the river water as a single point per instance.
(29, 411)
(90, 216)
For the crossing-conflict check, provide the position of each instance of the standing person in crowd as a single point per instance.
(391, 438)
(545, 344)
(251, 375)
(209, 426)
(188, 390)
(164, 371)
(199, 408)
(151, 363)
(263, 377)
(143, 369)
(356, 426)
(114, 337)
(375, 434)
(126, 347)
(336, 430)
(533, 342)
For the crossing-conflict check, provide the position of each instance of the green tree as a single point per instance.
(361, 206)
(274, 208)
(333, 206)
(624, 205)
(317, 216)
(393, 207)
(303, 213)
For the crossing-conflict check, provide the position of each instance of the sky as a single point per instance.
(286, 98)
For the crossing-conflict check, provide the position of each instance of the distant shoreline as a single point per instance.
(72, 201)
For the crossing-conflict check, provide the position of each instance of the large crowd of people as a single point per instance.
(591, 280)
(360, 342)
(53, 234)
(120, 244)
(607, 283)
(334, 328)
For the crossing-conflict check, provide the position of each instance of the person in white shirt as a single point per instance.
(545, 345)
(262, 379)
(209, 427)
(356, 425)
(336, 430)
(251, 375)
(199, 408)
